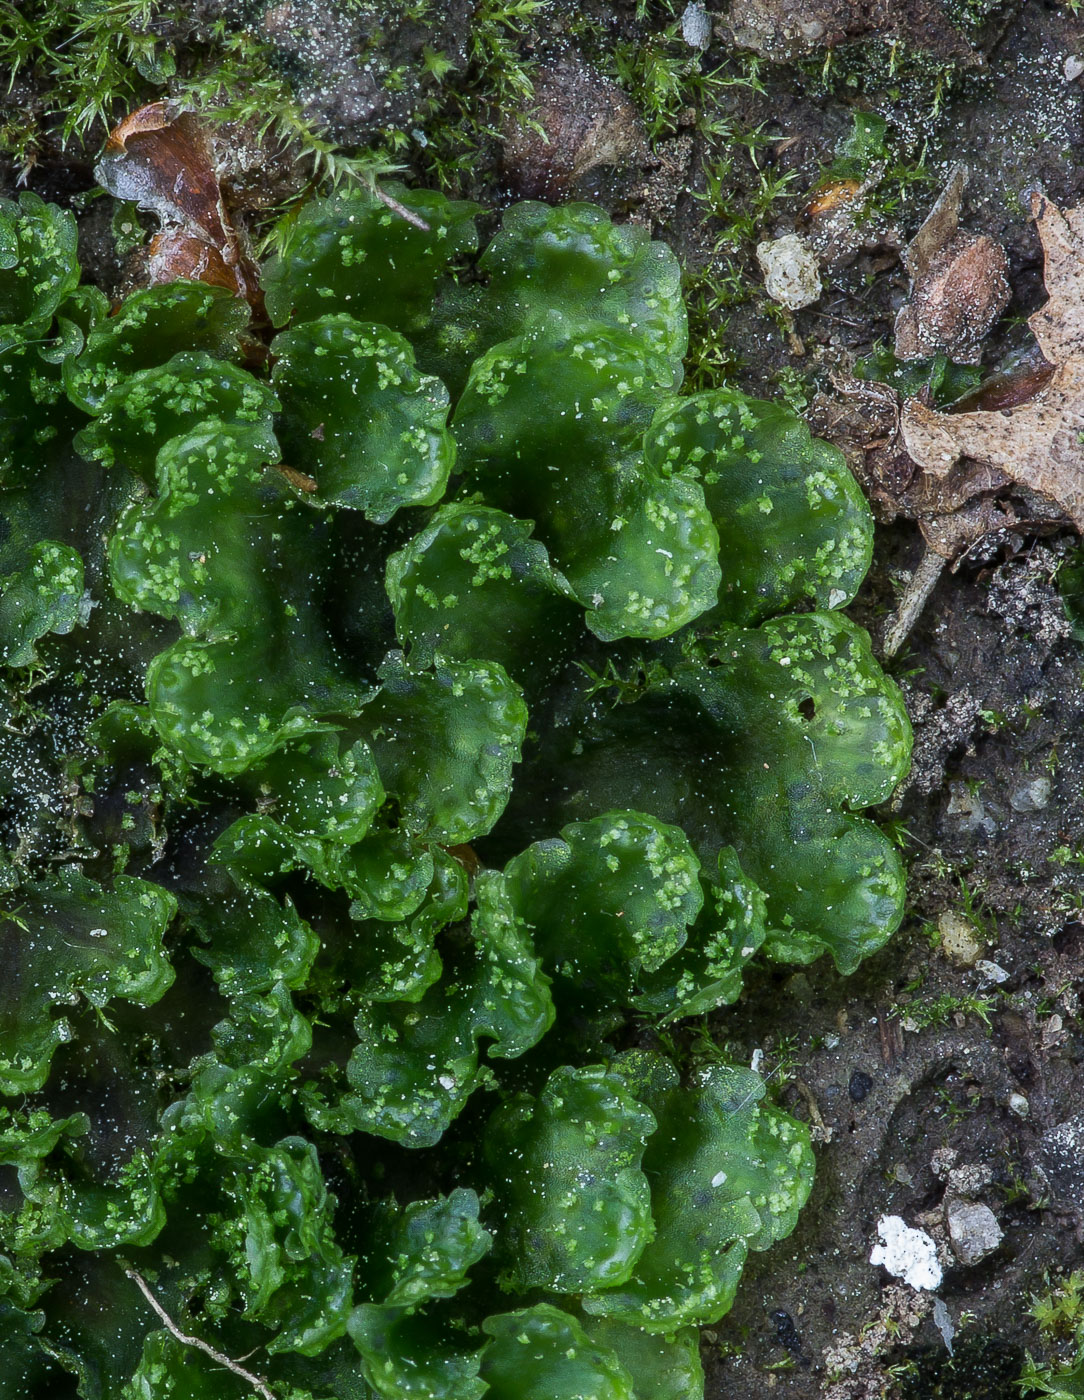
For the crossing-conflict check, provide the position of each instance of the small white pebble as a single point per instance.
(791, 275)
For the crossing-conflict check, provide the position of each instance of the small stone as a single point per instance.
(696, 26)
(965, 1182)
(1019, 1105)
(785, 1331)
(969, 807)
(859, 1086)
(811, 30)
(906, 1253)
(973, 1231)
(991, 972)
(961, 941)
(1072, 68)
(791, 275)
(1031, 796)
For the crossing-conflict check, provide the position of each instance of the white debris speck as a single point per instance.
(718, 1178)
(791, 275)
(1072, 68)
(942, 1319)
(906, 1253)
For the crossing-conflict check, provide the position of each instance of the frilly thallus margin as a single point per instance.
(423, 715)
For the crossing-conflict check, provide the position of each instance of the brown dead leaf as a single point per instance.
(963, 477)
(938, 226)
(174, 254)
(837, 222)
(1012, 387)
(958, 513)
(159, 157)
(836, 194)
(467, 857)
(300, 481)
(989, 476)
(959, 284)
(956, 509)
(1039, 445)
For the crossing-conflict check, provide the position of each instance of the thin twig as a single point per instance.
(259, 1386)
(913, 601)
(821, 1131)
(400, 209)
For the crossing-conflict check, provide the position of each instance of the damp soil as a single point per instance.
(943, 1053)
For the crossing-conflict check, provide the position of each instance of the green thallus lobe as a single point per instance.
(455, 696)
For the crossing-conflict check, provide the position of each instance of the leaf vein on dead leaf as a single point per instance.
(1039, 445)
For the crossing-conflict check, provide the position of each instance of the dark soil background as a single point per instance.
(923, 1065)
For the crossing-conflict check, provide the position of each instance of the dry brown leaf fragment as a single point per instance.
(828, 198)
(163, 160)
(175, 254)
(958, 512)
(938, 226)
(953, 307)
(955, 509)
(1038, 445)
(1011, 387)
(837, 221)
(300, 481)
(959, 284)
(159, 156)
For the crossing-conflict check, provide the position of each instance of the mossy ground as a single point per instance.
(731, 144)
